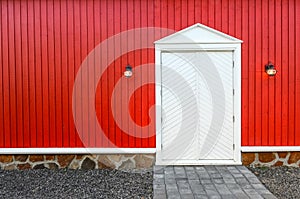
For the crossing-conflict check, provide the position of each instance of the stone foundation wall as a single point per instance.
(123, 161)
(128, 161)
(272, 159)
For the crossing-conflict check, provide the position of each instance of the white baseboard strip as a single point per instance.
(269, 148)
(77, 150)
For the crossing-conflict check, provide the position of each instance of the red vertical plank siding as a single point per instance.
(218, 15)
(198, 11)
(238, 17)
(184, 14)
(191, 13)
(232, 12)
(211, 14)
(177, 18)
(104, 80)
(285, 74)
(164, 6)
(124, 61)
(225, 16)
(278, 79)
(204, 13)
(265, 82)
(84, 76)
(12, 78)
(170, 11)
(77, 55)
(118, 69)
(58, 72)
(271, 82)
(245, 73)
(32, 73)
(251, 73)
(131, 61)
(151, 72)
(97, 32)
(1, 87)
(51, 76)
(25, 76)
(38, 74)
(144, 89)
(65, 76)
(45, 75)
(43, 44)
(258, 73)
(90, 79)
(137, 62)
(297, 73)
(291, 76)
(111, 73)
(5, 75)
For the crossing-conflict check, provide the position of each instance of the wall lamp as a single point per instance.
(270, 69)
(128, 71)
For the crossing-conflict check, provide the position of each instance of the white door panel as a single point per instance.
(197, 103)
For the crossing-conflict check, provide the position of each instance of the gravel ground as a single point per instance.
(63, 183)
(283, 182)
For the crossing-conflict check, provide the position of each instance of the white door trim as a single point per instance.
(173, 46)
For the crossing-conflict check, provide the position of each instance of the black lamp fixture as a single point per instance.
(128, 71)
(270, 69)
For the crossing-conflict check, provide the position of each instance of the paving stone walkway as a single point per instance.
(188, 182)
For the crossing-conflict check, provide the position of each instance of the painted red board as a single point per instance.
(251, 74)
(38, 75)
(151, 72)
(291, 75)
(45, 76)
(245, 74)
(297, 74)
(65, 75)
(25, 76)
(77, 59)
(271, 82)
(12, 75)
(278, 80)
(1, 88)
(285, 75)
(5, 74)
(264, 77)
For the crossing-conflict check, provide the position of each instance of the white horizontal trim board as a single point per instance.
(199, 162)
(269, 148)
(77, 150)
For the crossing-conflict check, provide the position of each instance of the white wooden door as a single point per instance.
(197, 106)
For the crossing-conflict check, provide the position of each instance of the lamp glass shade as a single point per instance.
(271, 71)
(128, 71)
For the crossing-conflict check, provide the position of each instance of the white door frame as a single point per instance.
(230, 44)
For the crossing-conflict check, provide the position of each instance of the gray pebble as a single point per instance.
(64, 183)
(283, 182)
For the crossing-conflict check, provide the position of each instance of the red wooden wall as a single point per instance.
(43, 44)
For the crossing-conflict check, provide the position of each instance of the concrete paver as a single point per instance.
(193, 182)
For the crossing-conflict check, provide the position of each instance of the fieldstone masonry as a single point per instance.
(128, 161)
(123, 161)
(272, 159)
